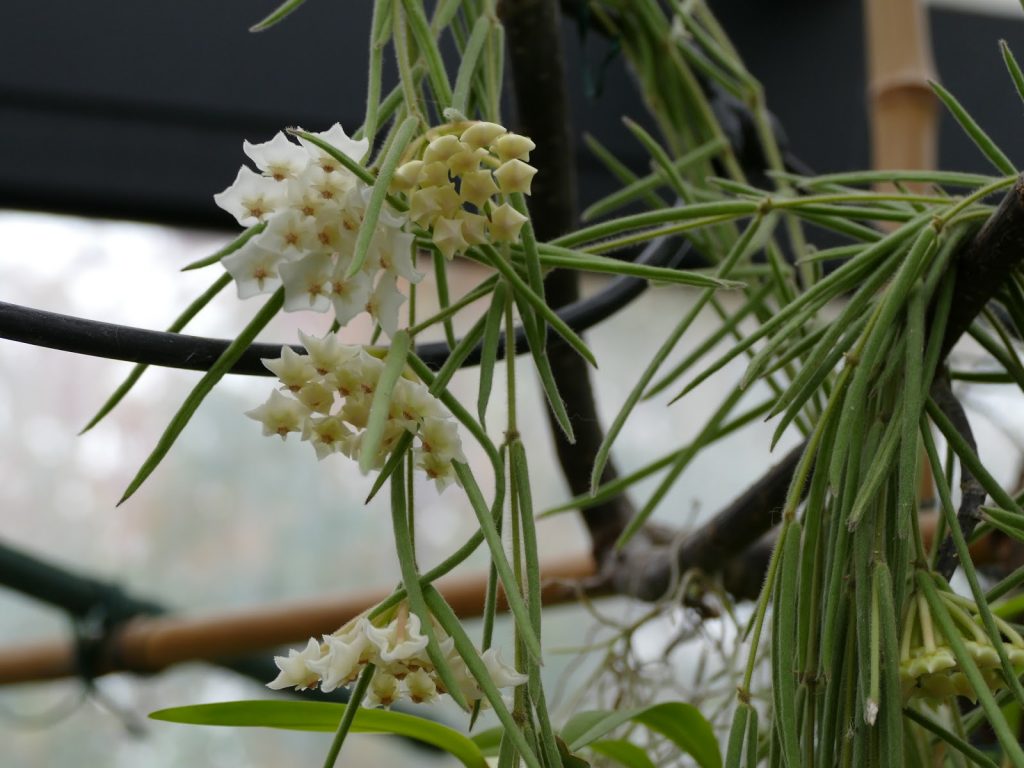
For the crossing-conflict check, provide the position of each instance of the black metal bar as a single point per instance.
(176, 350)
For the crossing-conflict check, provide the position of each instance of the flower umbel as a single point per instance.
(455, 186)
(396, 647)
(325, 396)
(312, 208)
(928, 667)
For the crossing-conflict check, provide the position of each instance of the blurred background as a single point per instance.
(118, 122)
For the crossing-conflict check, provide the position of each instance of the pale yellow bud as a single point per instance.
(434, 174)
(482, 134)
(448, 237)
(474, 227)
(478, 187)
(407, 176)
(443, 147)
(466, 161)
(512, 146)
(515, 176)
(506, 222)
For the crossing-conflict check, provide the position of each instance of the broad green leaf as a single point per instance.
(623, 752)
(325, 716)
(682, 723)
(489, 740)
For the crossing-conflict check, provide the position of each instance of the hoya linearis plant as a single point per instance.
(871, 657)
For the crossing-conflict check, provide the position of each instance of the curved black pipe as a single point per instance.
(197, 353)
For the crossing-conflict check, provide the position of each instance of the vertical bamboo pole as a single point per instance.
(902, 109)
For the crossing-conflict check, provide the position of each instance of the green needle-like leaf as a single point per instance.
(972, 129)
(282, 11)
(183, 319)
(216, 372)
(368, 228)
(380, 406)
(230, 248)
(468, 67)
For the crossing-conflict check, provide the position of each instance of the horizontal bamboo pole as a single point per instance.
(150, 644)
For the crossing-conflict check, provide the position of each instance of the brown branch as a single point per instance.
(972, 494)
(986, 264)
(533, 33)
(644, 569)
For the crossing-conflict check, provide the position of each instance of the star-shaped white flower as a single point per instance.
(440, 437)
(384, 303)
(348, 295)
(307, 283)
(337, 138)
(254, 268)
(280, 415)
(327, 354)
(295, 668)
(289, 233)
(384, 690)
(437, 468)
(293, 370)
(421, 686)
(278, 158)
(399, 640)
(327, 435)
(396, 255)
(340, 665)
(501, 673)
(251, 198)
(316, 397)
(412, 402)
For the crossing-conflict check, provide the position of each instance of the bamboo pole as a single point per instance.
(150, 644)
(902, 108)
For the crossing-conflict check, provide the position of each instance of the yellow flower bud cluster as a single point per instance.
(453, 187)
(929, 669)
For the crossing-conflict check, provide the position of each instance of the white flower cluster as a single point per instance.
(398, 651)
(451, 189)
(313, 208)
(326, 396)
